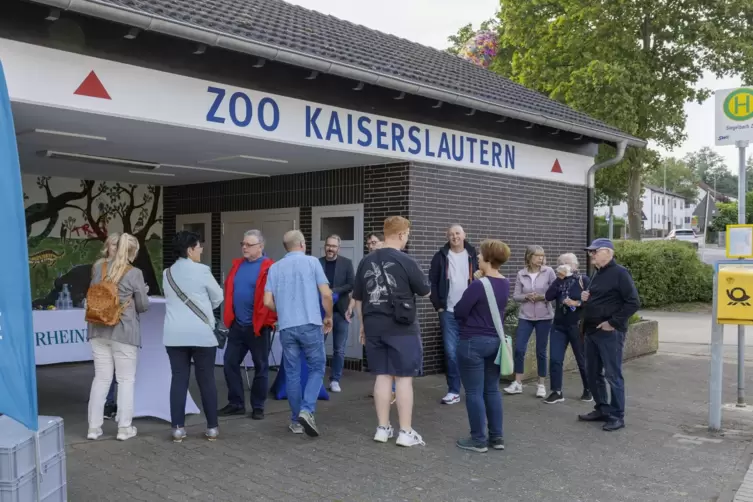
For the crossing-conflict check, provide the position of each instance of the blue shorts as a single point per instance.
(394, 355)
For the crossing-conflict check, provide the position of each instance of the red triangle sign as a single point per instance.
(92, 87)
(556, 168)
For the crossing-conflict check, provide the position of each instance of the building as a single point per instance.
(227, 115)
(706, 193)
(659, 212)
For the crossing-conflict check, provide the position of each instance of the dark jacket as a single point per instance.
(439, 277)
(343, 283)
(613, 298)
(569, 287)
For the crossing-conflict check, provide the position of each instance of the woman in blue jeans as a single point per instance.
(478, 344)
(535, 314)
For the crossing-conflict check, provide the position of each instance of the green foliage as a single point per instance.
(666, 272)
(601, 227)
(726, 215)
(680, 178)
(712, 169)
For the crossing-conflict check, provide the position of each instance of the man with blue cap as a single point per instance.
(608, 303)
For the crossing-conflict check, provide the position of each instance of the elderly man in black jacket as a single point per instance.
(608, 304)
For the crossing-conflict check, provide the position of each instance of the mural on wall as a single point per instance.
(67, 222)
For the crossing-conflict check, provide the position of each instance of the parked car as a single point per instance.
(685, 235)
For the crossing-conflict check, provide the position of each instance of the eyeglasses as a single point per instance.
(594, 251)
(246, 245)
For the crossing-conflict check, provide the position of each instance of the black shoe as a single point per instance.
(110, 411)
(614, 424)
(230, 410)
(587, 397)
(471, 445)
(257, 414)
(497, 443)
(594, 416)
(554, 397)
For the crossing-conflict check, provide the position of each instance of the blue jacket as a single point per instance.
(569, 287)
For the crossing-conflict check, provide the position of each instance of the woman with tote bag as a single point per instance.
(479, 314)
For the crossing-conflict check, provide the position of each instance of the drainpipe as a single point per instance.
(590, 182)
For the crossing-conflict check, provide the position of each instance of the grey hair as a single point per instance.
(530, 251)
(254, 233)
(334, 236)
(569, 259)
(293, 239)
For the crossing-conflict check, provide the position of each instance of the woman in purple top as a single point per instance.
(478, 344)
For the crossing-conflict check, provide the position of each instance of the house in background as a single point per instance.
(659, 211)
(706, 193)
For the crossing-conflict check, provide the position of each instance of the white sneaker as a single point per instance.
(451, 398)
(94, 434)
(514, 388)
(410, 438)
(540, 390)
(383, 434)
(335, 386)
(295, 428)
(126, 433)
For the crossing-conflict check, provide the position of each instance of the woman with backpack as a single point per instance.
(109, 248)
(116, 297)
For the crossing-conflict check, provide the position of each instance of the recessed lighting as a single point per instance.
(244, 157)
(213, 170)
(150, 173)
(62, 133)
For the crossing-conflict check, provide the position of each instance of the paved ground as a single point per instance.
(665, 454)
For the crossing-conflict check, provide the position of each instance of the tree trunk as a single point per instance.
(635, 211)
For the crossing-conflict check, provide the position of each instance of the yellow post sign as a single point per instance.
(739, 241)
(735, 295)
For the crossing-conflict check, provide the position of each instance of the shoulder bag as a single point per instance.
(220, 332)
(504, 354)
(403, 310)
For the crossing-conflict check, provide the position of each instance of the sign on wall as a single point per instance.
(49, 77)
(734, 115)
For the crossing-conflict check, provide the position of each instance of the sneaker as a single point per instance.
(540, 390)
(451, 398)
(594, 416)
(384, 433)
(179, 434)
(257, 414)
(126, 433)
(231, 409)
(471, 445)
(410, 438)
(306, 420)
(497, 443)
(334, 386)
(554, 397)
(94, 434)
(296, 428)
(111, 411)
(212, 434)
(514, 388)
(587, 396)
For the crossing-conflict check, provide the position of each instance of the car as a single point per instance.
(685, 235)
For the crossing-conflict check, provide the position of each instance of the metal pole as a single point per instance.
(717, 365)
(664, 204)
(741, 192)
(611, 221)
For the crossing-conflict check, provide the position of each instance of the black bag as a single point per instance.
(220, 332)
(403, 310)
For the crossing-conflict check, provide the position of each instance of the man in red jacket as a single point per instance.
(251, 326)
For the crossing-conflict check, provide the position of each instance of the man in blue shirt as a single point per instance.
(297, 289)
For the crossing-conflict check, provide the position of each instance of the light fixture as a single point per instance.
(53, 15)
(212, 170)
(471, 112)
(259, 63)
(359, 86)
(312, 75)
(438, 105)
(132, 33)
(200, 49)
(400, 96)
(245, 157)
(151, 173)
(93, 159)
(62, 133)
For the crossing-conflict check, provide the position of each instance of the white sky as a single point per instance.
(430, 22)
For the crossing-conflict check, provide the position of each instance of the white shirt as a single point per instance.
(459, 275)
(534, 276)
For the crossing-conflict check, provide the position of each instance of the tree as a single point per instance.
(49, 210)
(464, 34)
(711, 168)
(633, 65)
(680, 178)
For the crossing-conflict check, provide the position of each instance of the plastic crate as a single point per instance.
(53, 485)
(17, 455)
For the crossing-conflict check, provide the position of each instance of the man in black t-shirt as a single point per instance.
(393, 349)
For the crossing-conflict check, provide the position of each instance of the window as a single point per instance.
(343, 226)
(687, 219)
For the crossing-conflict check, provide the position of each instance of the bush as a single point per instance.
(666, 272)
(601, 227)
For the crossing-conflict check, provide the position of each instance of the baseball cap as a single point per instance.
(600, 244)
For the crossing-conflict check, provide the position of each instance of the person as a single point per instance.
(339, 272)
(250, 325)
(109, 248)
(477, 349)
(188, 337)
(608, 303)
(451, 271)
(386, 278)
(374, 241)
(531, 285)
(565, 292)
(297, 289)
(115, 348)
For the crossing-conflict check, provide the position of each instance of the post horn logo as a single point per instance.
(739, 105)
(738, 296)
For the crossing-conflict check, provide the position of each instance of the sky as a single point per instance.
(430, 22)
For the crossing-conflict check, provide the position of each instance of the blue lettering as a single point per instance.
(428, 151)
(80, 337)
(350, 129)
(510, 156)
(414, 138)
(444, 146)
(496, 154)
(362, 122)
(458, 149)
(275, 114)
(212, 113)
(472, 146)
(234, 112)
(40, 338)
(311, 119)
(64, 336)
(484, 144)
(50, 337)
(398, 133)
(334, 128)
(381, 134)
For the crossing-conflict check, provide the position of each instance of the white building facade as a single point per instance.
(660, 211)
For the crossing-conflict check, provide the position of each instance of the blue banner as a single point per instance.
(18, 377)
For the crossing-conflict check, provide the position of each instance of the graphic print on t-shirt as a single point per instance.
(376, 283)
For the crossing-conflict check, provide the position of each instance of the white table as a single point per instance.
(275, 355)
(60, 337)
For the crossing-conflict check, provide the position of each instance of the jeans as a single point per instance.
(240, 341)
(604, 352)
(450, 332)
(306, 340)
(560, 337)
(112, 357)
(522, 335)
(340, 330)
(110, 400)
(480, 376)
(180, 365)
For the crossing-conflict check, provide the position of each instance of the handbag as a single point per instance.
(504, 354)
(220, 332)
(403, 311)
